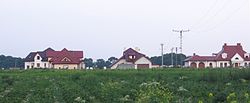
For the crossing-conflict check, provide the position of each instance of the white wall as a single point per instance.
(143, 60)
(122, 61)
(188, 64)
(69, 66)
(36, 62)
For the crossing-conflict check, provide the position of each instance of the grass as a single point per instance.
(125, 86)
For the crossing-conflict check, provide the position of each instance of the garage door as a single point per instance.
(201, 65)
(142, 66)
(193, 65)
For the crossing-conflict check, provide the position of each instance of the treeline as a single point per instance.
(169, 59)
(8, 62)
(99, 63)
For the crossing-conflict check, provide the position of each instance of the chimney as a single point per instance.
(238, 44)
(225, 44)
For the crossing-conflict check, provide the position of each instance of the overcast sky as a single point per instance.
(103, 28)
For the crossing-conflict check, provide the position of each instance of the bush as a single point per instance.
(153, 92)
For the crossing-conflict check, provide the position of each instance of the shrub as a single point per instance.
(8, 80)
(153, 92)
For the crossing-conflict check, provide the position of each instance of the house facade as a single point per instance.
(50, 58)
(132, 59)
(229, 56)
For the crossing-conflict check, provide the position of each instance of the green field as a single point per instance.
(125, 86)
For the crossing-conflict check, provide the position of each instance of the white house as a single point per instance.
(50, 58)
(229, 56)
(132, 59)
(37, 60)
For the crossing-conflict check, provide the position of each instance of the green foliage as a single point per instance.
(88, 62)
(153, 92)
(125, 86)
(100, 63)
(11, 62)
(177, 59)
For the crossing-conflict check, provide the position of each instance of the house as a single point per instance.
(50, 58)
(229, 56)
(132, 59)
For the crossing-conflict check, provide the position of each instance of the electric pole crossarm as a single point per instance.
(181, 33)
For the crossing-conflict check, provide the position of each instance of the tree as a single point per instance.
(11, 62)
(110, 61)
(88, 62)
(176, 59)
(100, 63)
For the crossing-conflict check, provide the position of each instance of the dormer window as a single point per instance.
(131, 57)
(246, 55)
(66, 59)
(224, 55)
(38, 57)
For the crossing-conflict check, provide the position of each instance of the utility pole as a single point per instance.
(15, 63)
(176, 51)
(172, 59)
(162, 63)
(181, 37)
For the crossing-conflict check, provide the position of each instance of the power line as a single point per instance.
(181, 37)
(207, 21)
(225, 20)
(206, 14)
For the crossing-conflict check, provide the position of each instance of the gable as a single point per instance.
(37, 57)
(33, 56)
(229, 51)
(143, 60)
(237, 57)
(132, 55)
(65, 59)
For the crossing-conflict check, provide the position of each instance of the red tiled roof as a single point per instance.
(58, 56)
(201, 58)
(230, 50)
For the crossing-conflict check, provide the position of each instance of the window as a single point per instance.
(211, 65)
(38, 65)
(224, 55)
(38, 57)
(245, 64)
(28, 67)
(236, 58)
(246, 55)
(45, 65)
(131, 57)
(65, 67)
(225, 64)
(221, 65)
(32, 65)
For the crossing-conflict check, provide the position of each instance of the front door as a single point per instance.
(236, 65)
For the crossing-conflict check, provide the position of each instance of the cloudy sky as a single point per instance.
(103, 28)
